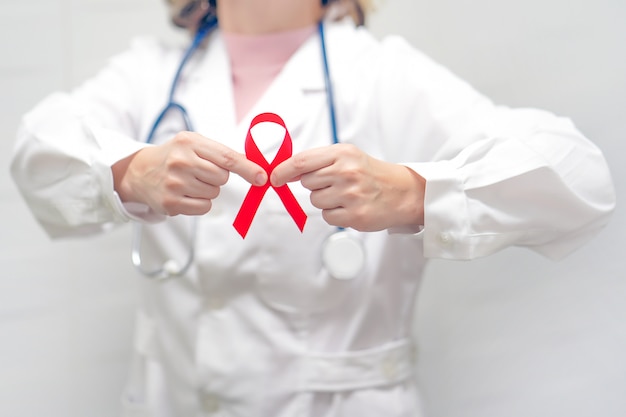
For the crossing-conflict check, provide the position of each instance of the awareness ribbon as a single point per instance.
(253, 199)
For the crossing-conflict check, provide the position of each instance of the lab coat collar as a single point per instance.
(286, 96)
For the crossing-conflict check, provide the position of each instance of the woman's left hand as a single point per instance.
(355, 190)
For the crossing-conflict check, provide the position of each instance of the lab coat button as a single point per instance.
(445, 238)
(210, 403)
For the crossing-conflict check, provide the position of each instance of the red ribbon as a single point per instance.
(253, 199)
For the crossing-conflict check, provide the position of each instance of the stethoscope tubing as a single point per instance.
(206, 28)
(330, 94)
(171, 268)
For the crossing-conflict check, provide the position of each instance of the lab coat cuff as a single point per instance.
(417, 231)
(136, 211)
(446, 218)
(113, 147)
(122, 212)
(411, 229)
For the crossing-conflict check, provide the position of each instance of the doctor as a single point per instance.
(425, 167)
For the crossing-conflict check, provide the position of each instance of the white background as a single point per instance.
(510, 335)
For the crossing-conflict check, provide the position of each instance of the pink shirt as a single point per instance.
(256, 60)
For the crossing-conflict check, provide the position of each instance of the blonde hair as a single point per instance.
(367, 5)
(357, 9)
(188, 13)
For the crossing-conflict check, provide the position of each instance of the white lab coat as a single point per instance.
(258, 327)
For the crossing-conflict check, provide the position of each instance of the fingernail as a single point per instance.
(261, 178)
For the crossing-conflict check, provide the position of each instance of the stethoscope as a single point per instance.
(343, 255)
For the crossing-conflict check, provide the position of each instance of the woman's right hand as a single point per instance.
(183, 175)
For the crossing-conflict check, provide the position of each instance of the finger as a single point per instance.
(188, 206)
(337, 217)
(196, 206)
(210, 174)
(318, 180)
(202, 190)
(232, 161)
(325, 199)
(300, 164)
(176, 186)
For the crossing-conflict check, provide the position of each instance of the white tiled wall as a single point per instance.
(65, 307)
(510, 336)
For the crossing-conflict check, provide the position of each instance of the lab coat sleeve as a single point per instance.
(67, 144)
(495, 177)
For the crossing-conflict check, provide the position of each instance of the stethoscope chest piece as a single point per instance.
(343, 255)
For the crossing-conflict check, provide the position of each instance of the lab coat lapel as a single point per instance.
(289, 95)
(212, 94)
